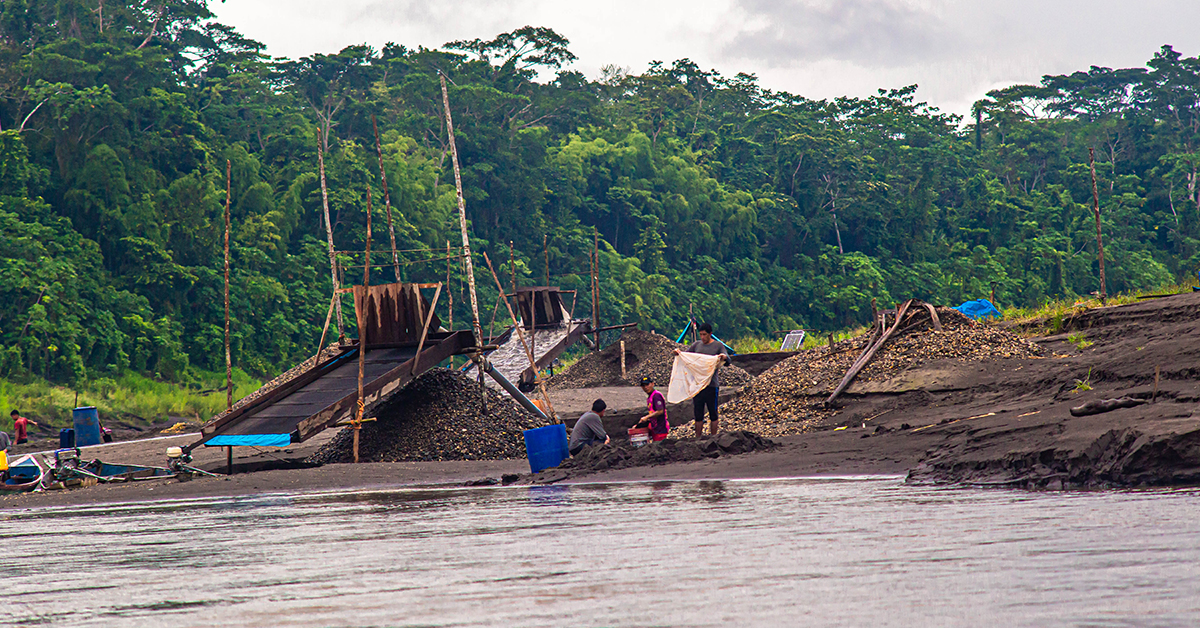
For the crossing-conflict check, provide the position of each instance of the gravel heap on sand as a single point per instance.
(787, 398)
(614, 456)
(646, 354)
(438, 416)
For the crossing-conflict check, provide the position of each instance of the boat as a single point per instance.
(23, 476)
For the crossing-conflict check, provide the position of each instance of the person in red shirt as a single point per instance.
(21, 427)
(656, 411)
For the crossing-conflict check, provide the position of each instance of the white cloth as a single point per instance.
(690, 374)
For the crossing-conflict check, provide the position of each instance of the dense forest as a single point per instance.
(763, 210)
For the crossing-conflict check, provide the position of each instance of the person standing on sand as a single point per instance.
(589, 429)
(707, 345)
(656, 411)
(21, 426)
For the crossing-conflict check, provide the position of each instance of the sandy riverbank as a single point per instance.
(994, 423)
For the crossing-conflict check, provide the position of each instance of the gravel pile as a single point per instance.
(646, 355)
(787, 398)
(438, 416)
(614, 456)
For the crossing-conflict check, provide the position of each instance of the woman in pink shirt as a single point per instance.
(656, 411)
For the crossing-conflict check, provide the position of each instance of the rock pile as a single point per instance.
(621, 456)
(646, 355)
(438, 416)
(787, 398)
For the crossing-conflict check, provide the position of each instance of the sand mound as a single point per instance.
(646, 355)
(438, 416)
(787, 398)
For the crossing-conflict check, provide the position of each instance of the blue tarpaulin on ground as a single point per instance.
(250, 440)
(979, 308)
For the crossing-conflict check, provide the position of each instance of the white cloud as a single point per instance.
(954, 49)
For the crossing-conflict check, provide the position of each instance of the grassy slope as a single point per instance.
(131, 398)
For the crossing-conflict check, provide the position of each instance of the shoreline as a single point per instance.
(992, 423)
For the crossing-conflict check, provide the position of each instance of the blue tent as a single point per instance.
(979, 308)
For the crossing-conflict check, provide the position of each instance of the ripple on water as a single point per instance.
(821, 552)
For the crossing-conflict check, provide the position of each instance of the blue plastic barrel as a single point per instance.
(87, 426)
(546, 447)
(66, 438)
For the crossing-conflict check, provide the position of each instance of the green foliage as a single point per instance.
(1079, 339)
(757, 210)
(1085, 384)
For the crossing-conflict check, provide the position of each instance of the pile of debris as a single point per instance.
(788, 398)
(646, 355)
(440, 415)
(621, 456)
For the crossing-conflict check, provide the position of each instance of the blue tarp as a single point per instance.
(979, 308)
(250, 440)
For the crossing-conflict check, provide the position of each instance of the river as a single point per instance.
(820, 552)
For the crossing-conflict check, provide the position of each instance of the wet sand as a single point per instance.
(994, 423)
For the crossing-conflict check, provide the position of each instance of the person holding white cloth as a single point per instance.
(707, 397)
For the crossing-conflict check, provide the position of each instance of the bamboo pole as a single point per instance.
(521, 335)
(329, 232)
(462, 217)
(1096, 210)
(361, 318)
(387, 199)
(228, 359)
(449, 291)
(546, 251)
(596, 286)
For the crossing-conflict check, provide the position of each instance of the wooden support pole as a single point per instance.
(521, 336)
(449, 292)
(622, 359)
(596, 285)
(387, 199)
(1096, 211)
(329, 232)
(325, 329)
(546, 251)
(462, 217)
(425, 329)
(228, 359)
(229, 460)
(362, 336)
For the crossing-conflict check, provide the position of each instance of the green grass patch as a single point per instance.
(1052, 315)
(130, 397)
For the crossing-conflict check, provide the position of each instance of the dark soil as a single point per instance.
(439, 416)
(623, 456)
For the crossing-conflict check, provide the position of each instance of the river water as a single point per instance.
(820, 552)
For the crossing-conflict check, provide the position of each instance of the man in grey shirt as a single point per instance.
(707, 345)
(5, 441)
(589, 429)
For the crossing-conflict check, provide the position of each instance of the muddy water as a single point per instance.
(870, 552)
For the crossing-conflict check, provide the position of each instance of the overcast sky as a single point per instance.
(955, 50)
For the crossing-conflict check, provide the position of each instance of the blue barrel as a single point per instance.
(546, 447)
(66, 438)
(87, 426)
